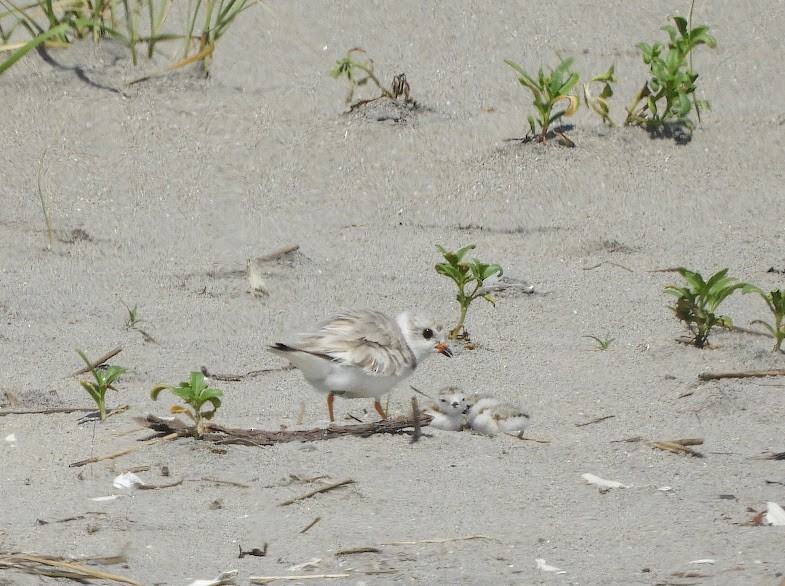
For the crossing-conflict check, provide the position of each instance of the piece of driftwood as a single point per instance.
(679, 446)
(441, 540)
(316, 491)
(48, 411)
(597, 420)
(277, 253)
(741, 374)
(56, 567)
(240, 377)
(98, 361)
(259, 437)
(268, 579)
(125, 451)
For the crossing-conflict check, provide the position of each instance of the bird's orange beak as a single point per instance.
(443, 348)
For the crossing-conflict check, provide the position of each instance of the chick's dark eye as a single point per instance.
(427, 333)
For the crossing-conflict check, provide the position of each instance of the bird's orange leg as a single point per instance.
(330, 401)
(379, 410)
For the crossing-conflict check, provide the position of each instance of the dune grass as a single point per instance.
(138, 25)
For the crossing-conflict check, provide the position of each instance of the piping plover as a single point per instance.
(449, 410)
(363, 353)
(491, 416)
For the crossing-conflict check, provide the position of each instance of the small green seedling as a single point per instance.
(548, 91)
(665, 99)
(133, 316)
(358, 72)
(599, 104)
(697, 303)
(104, 377)
(195, 393)
(603, 343)
(776, 303)
(466, 274)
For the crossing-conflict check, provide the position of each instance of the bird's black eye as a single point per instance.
(427, 333)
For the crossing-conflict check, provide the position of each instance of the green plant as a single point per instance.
(103, 381)
(218, 17)
(775, 300)
(195, 393)
(599, 104)
(359, 72)
(665, 99)
(549, 90)
(133, 316)
(697, 303)
(466, 274)
(48, 21)
(41, 198)
(603, 343)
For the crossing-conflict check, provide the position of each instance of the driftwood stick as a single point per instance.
(741, 374)
(268, 579)
(98, 361)
(416, 419)
(48, 411)
(259, 437)
(125, 451)
(442, 540)
(597, 420)
(277, 253)
(316, 491)
(30, 563)
(311, 524)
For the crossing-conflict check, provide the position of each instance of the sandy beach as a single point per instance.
(160, 192)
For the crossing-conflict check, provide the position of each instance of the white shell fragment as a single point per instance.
(543, 566)
(774, 514)
(98, 499)
(224, 579)
(10, 437)
(703, 561)
(601, 483)
(127, 480)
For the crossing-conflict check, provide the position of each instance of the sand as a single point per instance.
(160, 192)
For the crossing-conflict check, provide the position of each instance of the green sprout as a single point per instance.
(466, 274)
(549, 90)
(104, 377)
(133, 316)
(599, 104)
(664, 99)
(359, 72)
(195, 393)
(602, 343)
(697, 303)
(776, 303)
(131, 24)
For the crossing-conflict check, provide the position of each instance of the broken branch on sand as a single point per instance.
(98, 361)
(54, 567)
(259, 437)
(740, 374)
(119, 453)
(316, 491)
(442, 540)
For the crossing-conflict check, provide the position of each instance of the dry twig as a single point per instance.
(259, 437)
(54, 567)
(311, 524)
(597, 420)
(741, 374)
(119, 453)
(316, 491)
(98, 361)
(268, 579)
(442, 540)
